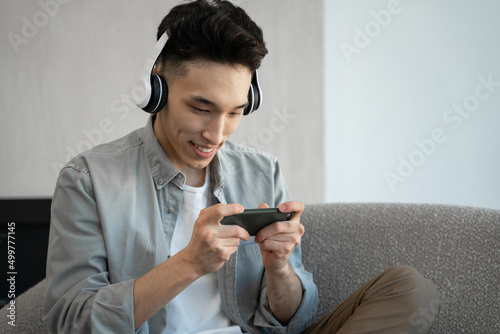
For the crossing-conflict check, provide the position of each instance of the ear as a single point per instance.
(158, 69)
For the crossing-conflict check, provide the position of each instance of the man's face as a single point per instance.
(204, 108)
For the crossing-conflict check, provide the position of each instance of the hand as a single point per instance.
(212, 244)
(278, 240)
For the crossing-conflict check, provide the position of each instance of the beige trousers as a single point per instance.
(400, 300)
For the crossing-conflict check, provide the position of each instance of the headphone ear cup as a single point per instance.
(159, 94)
(251, 101)
(254, 95)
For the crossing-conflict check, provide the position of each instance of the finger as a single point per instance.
(225, 253)
(278, 247)
(263, 206)
(285, 229)
(232, 231)
(230, 242)
(295, 206)
(224, 210)
(219, 211)
(282, 237)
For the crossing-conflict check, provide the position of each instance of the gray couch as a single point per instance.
(458, 248)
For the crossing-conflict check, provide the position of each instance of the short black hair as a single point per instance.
(212, 30)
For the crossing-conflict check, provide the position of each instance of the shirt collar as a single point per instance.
(217, 178)
(162, 169)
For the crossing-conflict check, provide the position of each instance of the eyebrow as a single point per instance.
(205, 101)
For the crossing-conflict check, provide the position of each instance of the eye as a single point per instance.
(201, 111)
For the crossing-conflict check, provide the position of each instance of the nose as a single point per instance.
(214, 130)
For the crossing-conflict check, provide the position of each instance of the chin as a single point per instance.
(201, 165)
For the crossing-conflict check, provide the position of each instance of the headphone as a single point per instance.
(155, 90)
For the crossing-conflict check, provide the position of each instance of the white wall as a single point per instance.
(68, 78)
(400, 83)
(68, 66)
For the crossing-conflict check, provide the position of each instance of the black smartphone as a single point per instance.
(253, 220)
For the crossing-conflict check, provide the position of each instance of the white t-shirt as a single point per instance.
(197, 309)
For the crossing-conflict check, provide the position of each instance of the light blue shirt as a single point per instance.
(113, 215)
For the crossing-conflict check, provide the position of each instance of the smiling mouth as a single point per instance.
(204, 149)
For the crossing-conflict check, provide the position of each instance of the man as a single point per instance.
(136, 242)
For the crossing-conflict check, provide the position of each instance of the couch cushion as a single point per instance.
(28, 312)
(458, 248)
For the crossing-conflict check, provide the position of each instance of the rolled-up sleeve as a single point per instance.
(304, 317)
(79, 296)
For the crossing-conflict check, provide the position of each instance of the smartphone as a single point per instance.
(253, 220)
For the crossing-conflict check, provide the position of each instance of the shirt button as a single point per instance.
(160, 181)
(178, 176)
(170, 209)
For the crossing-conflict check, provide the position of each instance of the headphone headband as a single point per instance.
(144, 81)
(155, 91)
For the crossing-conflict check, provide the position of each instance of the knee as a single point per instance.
(420, 295)
(407, 280)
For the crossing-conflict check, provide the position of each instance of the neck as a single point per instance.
(196, 177)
